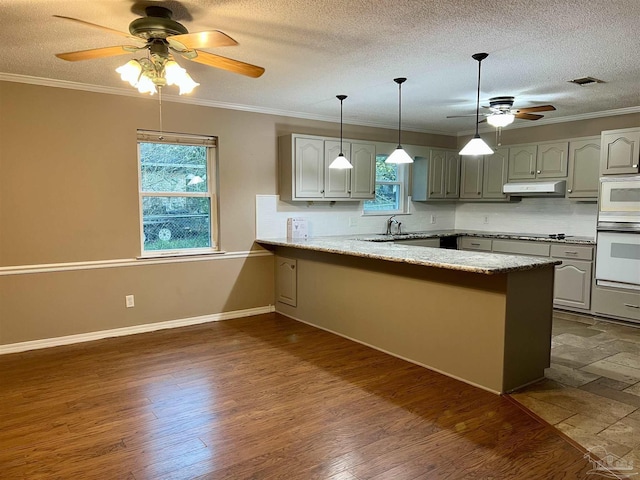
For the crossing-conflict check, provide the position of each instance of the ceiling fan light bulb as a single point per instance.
(341, 163)
(399, 156)
(174, 73)
(476, 146)
(130, 72)
(146, 85)
(187, 84)
(500, 119)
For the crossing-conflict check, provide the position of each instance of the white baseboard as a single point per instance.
(119, 332)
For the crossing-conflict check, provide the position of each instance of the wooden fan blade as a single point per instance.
(191, 41)
(461, 116)
(528, 116)
(106, 29)
(539, 108)
(95, 53)
(225, 63)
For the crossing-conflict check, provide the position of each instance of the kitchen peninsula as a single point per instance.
(479, 317)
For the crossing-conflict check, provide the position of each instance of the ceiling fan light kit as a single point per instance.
(476, 145)
(161, 35)
(399, 155)
(500, 119)
(341, 162)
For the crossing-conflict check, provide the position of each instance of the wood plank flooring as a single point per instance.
(259, 398)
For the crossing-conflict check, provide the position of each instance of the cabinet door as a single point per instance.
(337, 182)
(452, 175)
(572, 284)
(309, 167)
(437, 173)
(363, 175)
(620, 151)
(584, 166)
(522, 162)
(495, 173)
(286, 281)
(471, 176)
(551, 160)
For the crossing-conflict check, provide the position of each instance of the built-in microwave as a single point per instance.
(619, 199)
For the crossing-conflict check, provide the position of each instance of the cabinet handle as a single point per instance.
(373, 193)
(634, 166)
(475, 244)
(321, 191)
(631, 305)
(569, 190)
(538, 171)
(349, 192)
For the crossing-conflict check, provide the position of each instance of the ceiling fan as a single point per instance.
(501, 112)
(164, 36)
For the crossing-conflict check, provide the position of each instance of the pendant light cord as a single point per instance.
(478, 98)
(399, 113)
(341, 126)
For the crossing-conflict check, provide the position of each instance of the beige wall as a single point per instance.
(68, 193)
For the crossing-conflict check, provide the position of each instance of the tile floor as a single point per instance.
(592, 389)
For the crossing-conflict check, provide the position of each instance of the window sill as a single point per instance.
(178, 253)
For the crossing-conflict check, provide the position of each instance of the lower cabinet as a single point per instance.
(617, 302)
(286, 281)
(573, 278)
(420, 242)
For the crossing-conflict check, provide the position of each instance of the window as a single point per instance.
(178, 204)
(391, 194)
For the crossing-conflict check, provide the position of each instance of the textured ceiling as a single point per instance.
(314, 50)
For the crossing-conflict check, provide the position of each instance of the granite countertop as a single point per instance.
(577, 240)
(474, 262)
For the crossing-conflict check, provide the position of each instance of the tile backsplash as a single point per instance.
(530, 215)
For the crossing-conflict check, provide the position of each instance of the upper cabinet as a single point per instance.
(584, 164)
(436, 176)
(305, 174)
(482, 178)
(542, 160)
(620, 152)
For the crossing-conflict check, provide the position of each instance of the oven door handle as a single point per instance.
(618, 227)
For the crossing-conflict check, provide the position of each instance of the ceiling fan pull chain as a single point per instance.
(160, 137)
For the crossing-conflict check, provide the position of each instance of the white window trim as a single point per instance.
(403, 173)
(145, 136)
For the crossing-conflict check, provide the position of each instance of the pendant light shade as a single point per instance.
(399, 155)
(476, 145)
(341, 162)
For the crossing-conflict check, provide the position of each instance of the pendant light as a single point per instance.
(399, 155)
(341, 161)
(476, 145)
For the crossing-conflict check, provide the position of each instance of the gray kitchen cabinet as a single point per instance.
(616, 302)
(363, 176)
(436, 177)
(521, 247)
(471, 177)
(495, 174)
(474, 243)
(522, 162)
(584, 167)
(305, 174)
(539, 161)
(573, 278)
(286, 280)
(620, 152)
(483, 177)
(420, 242)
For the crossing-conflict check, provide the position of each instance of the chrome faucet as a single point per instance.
(390, 222)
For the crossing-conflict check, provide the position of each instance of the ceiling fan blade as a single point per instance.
(539, 108)
(106, 29)
(225, 63)
(191, 41)
(96, 53)
(528, 116)
(461, 116)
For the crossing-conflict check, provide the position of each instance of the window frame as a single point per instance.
(211, 143)
(403, 176)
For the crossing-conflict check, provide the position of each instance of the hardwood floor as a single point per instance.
(256, 398)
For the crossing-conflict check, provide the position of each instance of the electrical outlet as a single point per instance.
(129, 301)
(433, 219)
(485, 220)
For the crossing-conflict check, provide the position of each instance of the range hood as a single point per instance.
(536, 189)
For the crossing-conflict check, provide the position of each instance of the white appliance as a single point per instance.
(534, 189)
(618, 241)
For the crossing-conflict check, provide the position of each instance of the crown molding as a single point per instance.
(128, 92)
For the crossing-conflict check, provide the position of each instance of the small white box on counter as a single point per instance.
(297, 228)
